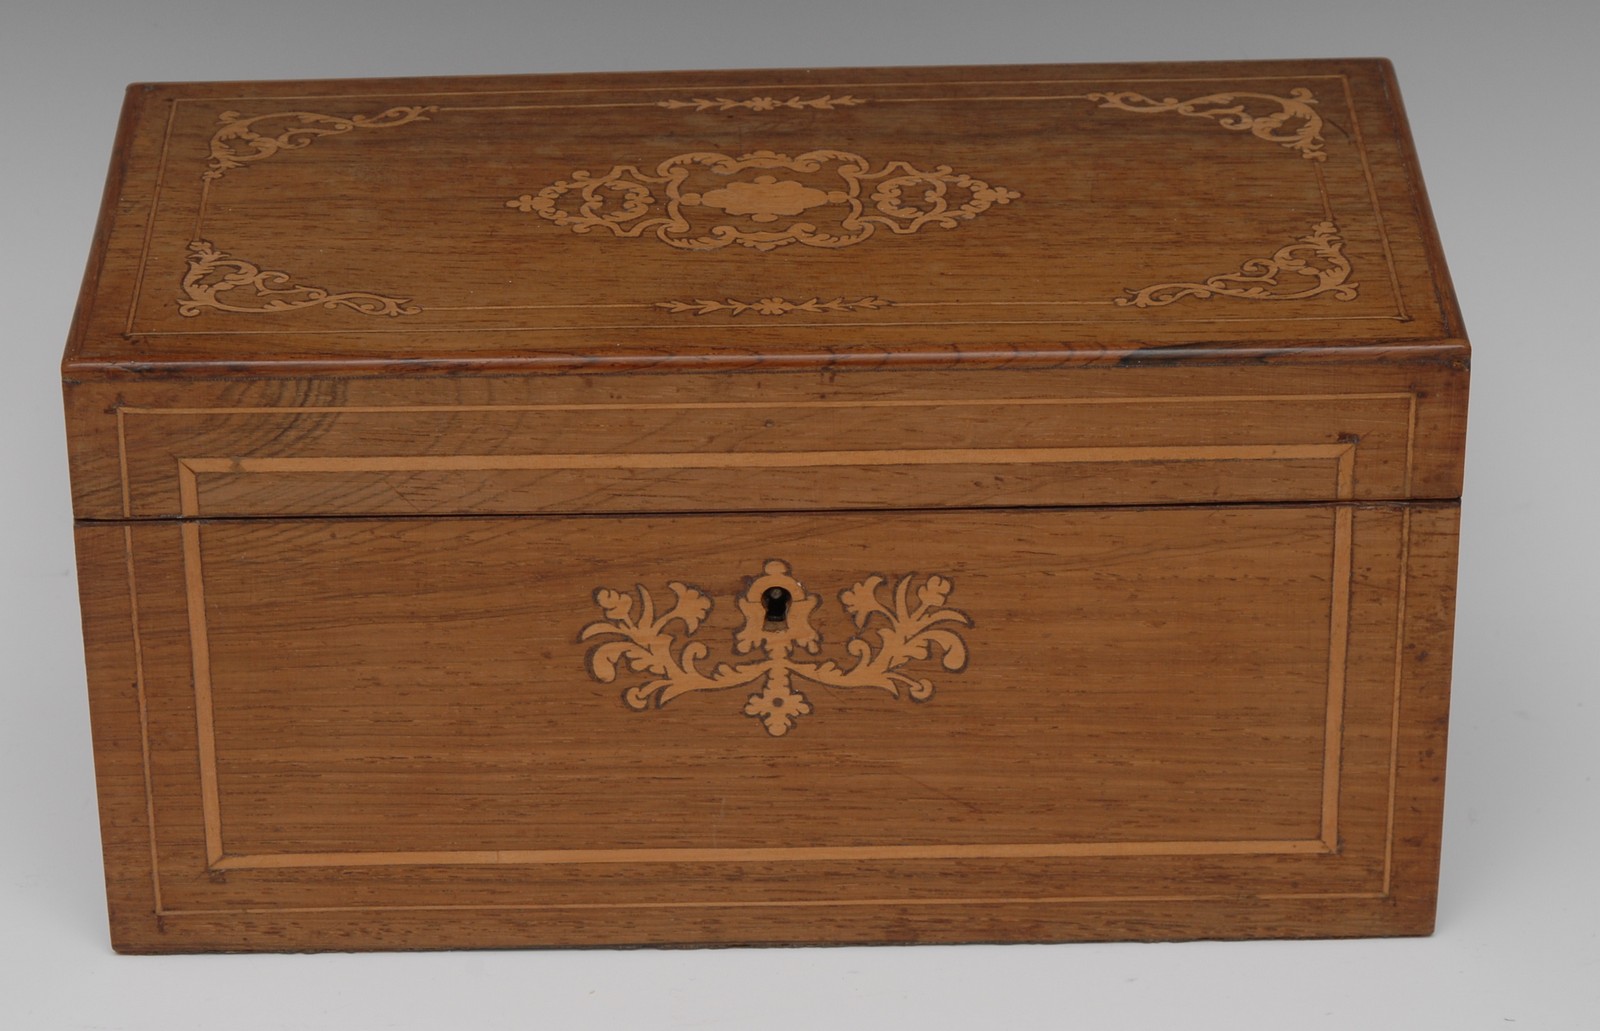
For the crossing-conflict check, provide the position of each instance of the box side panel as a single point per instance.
(1422, 722)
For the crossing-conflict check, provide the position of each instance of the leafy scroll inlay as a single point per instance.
(1299, 121)
(911, 624)
(1314, 264)
(774, 306)
(705, 201)
(822, 103)
(244, 139)
(222, 282)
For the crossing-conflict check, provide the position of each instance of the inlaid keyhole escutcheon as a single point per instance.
(776, 600)
(778, 648)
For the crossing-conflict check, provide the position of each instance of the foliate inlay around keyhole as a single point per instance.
(896, 623)
(776, 600)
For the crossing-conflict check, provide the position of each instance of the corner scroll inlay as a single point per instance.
(221, 282)
(704, 201)
(910, 625)
(1315, 264)
(242, 139)
(1233, 111)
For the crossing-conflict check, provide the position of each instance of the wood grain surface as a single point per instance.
(1189, 710)
(740, 441)
(1011, 214)
(900, 505)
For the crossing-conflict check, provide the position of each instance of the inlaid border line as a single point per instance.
(217, 859)
(150, 222)
(144, 716)
(1338, 654)
(1394, 715)
(782, 854)
(700, 325)
(689, 87)
(1342, 78)
(773, 903)
(204, 712)
(122, 461)
(123, 464)
(1411, 398)
(191, 467)
(1372, 194)
(704, 405)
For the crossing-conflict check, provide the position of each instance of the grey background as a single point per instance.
(1503, 101)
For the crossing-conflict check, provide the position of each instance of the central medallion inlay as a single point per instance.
(704, 201)
(766, 198)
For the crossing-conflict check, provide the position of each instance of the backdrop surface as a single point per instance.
(1498, 96)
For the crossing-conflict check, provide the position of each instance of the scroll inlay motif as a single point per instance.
(221, 282)
(242, 139)
(911, 625)
(705, 201)
(1233, 111)
(1314, 264)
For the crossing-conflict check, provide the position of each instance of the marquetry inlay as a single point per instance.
(910, 625)
(223, 282)
(773, 306)
(794, 103)
(822, 198)
(243, 139)
(825, 199)
(1241, 112)
(1314, 264)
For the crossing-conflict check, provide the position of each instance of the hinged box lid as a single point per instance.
(1044, 213)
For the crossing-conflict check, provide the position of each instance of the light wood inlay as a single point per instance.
(852, 201)
(222, 282)
(795, 103)
(1290, 111)
(1289, 275)
(773, 306)
(241, 140)
(545, 482)
(1086, 574)
(777, 621)
(526, 857)
(144, 716)
(1329, 793)
(1296, 112)
(205, 720)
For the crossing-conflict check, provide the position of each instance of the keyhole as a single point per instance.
(776, 599)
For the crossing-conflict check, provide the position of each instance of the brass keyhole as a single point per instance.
(776, 599)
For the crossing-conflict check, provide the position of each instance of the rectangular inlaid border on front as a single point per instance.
(1341, 458)
(1339, 455)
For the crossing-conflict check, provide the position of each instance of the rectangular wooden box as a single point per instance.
(895, 505)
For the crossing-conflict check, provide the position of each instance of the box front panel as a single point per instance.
(855, 715)
(730, 442)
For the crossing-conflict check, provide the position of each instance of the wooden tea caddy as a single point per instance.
(890, 505)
